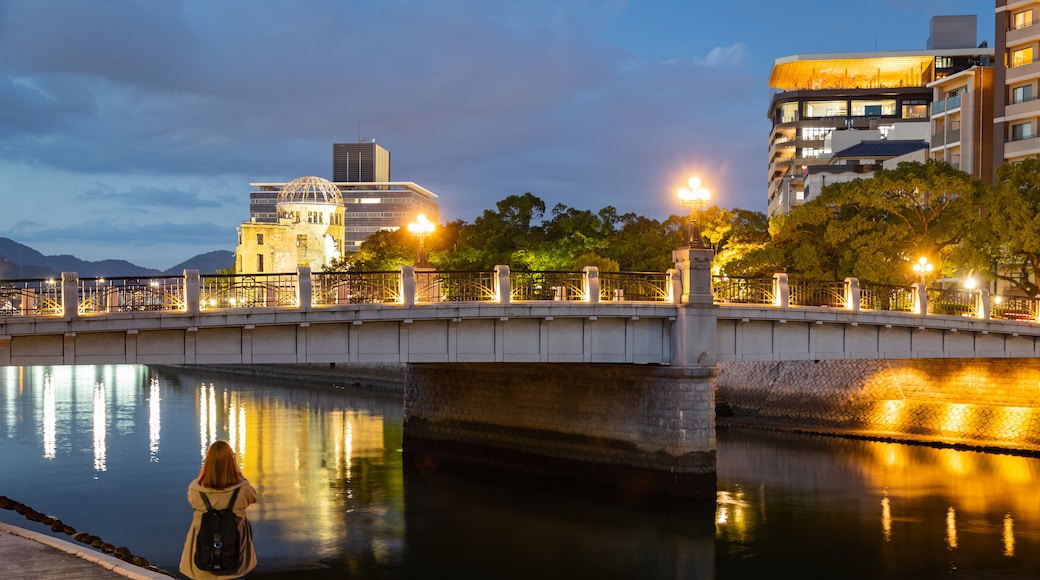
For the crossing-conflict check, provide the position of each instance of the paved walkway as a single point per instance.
(29, 555)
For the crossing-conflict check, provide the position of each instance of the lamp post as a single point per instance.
(693, 197)
(421, 227)
(922, 268)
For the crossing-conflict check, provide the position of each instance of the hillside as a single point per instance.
(18, 261)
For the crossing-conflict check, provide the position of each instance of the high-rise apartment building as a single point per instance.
(962, 121)
(816, 95)
(1016, 113)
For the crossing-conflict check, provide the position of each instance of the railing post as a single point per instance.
(70, 295)
(407, 285)
(982, 306)
(192, 291)
(304, 288)
(853, 295)
(590, 284)
(503, 285)
(781, 291)
(921, 293)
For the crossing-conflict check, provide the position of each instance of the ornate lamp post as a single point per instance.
(421, 227)
(693, 198)
(922, 268)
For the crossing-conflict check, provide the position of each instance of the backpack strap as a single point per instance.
(230, 505)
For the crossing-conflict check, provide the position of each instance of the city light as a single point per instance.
(694, 197)
(421, 227)
(922, 268)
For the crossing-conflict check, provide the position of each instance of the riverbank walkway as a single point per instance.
(28, 555)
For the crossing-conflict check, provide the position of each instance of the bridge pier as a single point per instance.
(640, 429)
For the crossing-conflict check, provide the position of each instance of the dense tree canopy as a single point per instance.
(870, 228)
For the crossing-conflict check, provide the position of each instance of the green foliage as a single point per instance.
(873, 228)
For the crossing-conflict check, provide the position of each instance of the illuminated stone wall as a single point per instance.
(979, 402)
(644, 428)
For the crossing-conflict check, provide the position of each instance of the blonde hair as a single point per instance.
(220, 470)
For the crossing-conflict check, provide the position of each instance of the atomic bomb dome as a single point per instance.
(310, 189)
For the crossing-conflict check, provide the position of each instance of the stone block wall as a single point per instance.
(978, 402)
(644, 428)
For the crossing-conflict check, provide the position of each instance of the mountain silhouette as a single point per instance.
(18, 261)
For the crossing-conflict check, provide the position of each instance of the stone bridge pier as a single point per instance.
(644, 429)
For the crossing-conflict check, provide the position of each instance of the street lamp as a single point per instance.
(922, 268)
(693, 197)
(421, 227)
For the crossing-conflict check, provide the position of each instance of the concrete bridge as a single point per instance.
(599, 376)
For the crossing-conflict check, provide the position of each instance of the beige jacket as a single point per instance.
(219, 498)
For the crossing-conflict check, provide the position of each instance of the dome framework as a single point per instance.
(310, 189)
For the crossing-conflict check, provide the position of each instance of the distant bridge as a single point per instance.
(423, 316)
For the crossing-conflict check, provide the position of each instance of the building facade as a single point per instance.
(815, 95)
(1016, 114)
(360, 162)
(962, 121)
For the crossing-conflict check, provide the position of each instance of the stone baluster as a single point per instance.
(503, 285)
(590, 284)
(192, 291)
(853, 295)
(70, 294)
(781, 291)
(407, 288)
(982, 305)
(304, 288)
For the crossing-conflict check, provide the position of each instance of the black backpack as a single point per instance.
(217, 545)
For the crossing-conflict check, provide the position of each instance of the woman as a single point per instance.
(218, 479)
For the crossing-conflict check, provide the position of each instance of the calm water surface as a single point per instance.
(110, 450)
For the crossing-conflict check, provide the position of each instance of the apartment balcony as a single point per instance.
(1027, 108)
(1029, 33)
(1022, 148)
(1021, 73)
(949, 137)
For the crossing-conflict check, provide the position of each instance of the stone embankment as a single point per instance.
(978, 403)
(381, 377)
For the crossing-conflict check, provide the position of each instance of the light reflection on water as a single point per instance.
(100, 447)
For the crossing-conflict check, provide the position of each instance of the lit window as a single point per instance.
(371, 200)
(788, 112)
(880, 108)
(915, 111)
(1022, 56)
(1023, 19)
(826, 109)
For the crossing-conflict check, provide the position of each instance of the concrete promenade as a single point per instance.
(25, 554)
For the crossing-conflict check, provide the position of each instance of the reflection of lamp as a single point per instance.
(421, 227)
(922, 267)
(693, 198)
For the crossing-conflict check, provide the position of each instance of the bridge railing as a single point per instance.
(31, 298)
(955, 302)
(887, 297)
(743, 290)
(454, 286)
(635, 286)
(818, 293)
(1015, 308)
(103, 295)
(547, 285)
(221, 291)
(331, 288)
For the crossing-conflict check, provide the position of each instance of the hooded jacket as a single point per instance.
(219, 498)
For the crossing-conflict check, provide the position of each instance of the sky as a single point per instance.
(131, 129)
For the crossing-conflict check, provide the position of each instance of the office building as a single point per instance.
(360, 162)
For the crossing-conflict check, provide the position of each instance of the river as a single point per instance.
(110, 451)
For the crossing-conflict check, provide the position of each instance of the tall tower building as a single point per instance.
(360, 162)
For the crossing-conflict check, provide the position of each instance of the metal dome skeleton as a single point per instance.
(309, 190)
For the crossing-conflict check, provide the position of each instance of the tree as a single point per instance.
(1006, 241)
(872, 228)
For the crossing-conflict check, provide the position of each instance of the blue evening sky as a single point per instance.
(131, 129)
